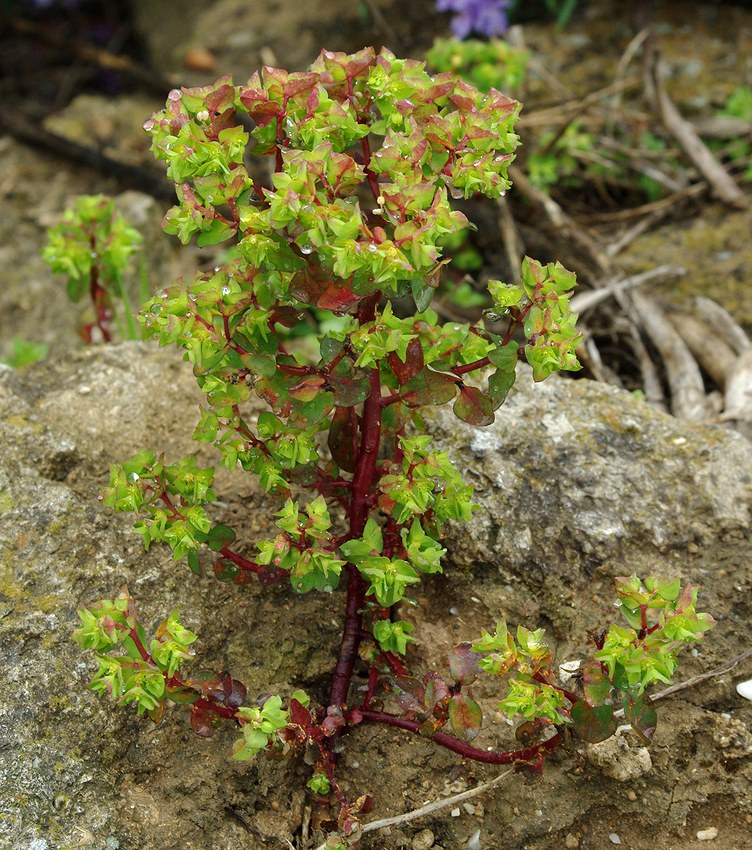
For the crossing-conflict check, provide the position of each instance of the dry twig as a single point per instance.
(691, 143)
(688, 399)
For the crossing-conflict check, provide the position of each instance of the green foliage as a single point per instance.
(340, 444)
(260, 726)
(24, 353)
(135, 674)
(662, 619)
(92, 246)
(492, 64)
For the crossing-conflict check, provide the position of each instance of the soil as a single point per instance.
(179, 791)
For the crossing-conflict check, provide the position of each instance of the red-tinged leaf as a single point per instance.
(235, 692)
(333, 721)
(413, 364)
(465, 717)
(311, 286)
(531, 770)
(343, 438)
(595, 683)
(201, 723)
(642, 717)
(220, 99)
(474, 407)
(593, 723)
(360, 62)
(225, 570)
(533, 731)
(307, 389)
(410, 693)
(429, 387)
(431, 726)
(499, 384)
(286, 316)
(463, 663)
(348, 390)
(157, 713)
(300, 82)
(182, 696)
(437, 690)
(299, 714)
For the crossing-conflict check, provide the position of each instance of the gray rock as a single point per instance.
(571, 472)
(574, 473)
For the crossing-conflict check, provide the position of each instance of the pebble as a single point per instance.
(631, 796)
(473, 843)
(455, 813)
(707, 834)
(200, 59)
(571, 841)
(423, 840)
(744, 689)
(614, 838)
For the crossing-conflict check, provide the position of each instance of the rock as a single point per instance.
(573, 473)
(617, 759)
(423, 840)
(77, 772)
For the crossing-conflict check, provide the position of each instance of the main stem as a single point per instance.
(360, 506)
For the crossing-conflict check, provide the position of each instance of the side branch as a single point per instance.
(528, 754)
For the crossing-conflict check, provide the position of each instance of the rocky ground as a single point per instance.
(579, 482)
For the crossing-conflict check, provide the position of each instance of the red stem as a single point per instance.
(360, 503)
(528, 754)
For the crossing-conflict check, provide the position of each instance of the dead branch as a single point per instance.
(689, 140)
(688, 399)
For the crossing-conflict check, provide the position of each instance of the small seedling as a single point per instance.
(93, 245)
(367, 150)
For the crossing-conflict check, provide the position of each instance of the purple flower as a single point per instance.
(484, 17)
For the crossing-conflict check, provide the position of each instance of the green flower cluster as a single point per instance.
(138, 675)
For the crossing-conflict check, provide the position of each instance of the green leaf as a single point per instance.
(219, 537)
(474, 407)
(593, 723)
(642, 717)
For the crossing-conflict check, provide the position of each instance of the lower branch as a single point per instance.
(528, 754)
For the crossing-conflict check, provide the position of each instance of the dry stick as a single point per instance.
(510, 240)
(737, 400)
(430, 808)
(144, 179)
(587, 300)
(723, 324)
(664, 205)
(633, 232)
(695, 680)
(554, 114)
(691, 143)
(651, 382)
(688, 399)
(716, 357)
(385, 26)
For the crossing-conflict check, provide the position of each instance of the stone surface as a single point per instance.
(75, 772)
(573, 473)
(619, 759)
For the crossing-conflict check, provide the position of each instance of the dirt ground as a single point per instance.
(179, 791)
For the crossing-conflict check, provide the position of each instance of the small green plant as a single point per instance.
(24, 353)
(361, 493)
(738, 150)
(93, 245)
(492, 64)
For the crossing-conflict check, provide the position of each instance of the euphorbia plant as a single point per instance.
(366, 150)
(93, 245)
